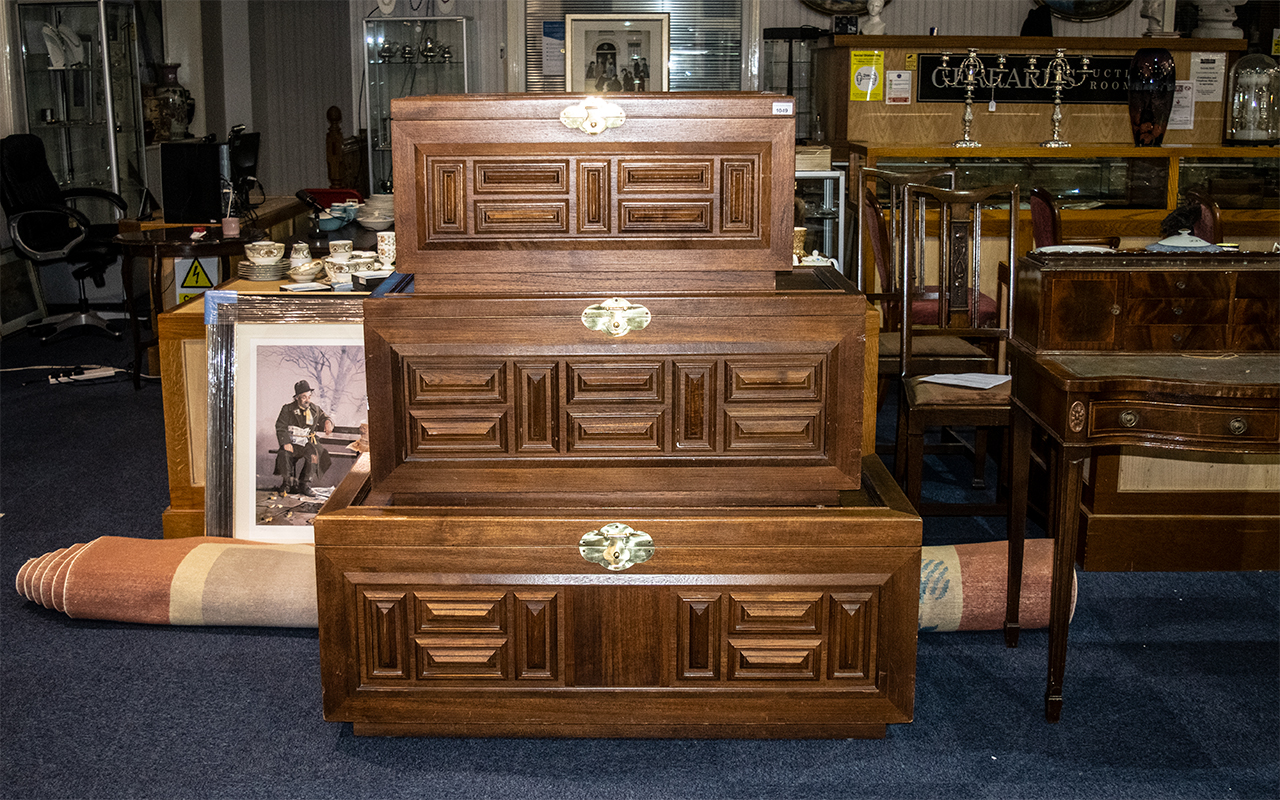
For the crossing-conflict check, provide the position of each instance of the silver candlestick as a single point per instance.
(970, 75)
(1059, 74)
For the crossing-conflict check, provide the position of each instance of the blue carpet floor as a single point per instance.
(1173, 680)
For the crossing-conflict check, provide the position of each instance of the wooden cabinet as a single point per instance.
(1148, 302)
(750, 622)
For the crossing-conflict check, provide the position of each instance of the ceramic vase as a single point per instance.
(1152, 81)
(174, 107)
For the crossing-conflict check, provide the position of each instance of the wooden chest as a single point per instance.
(552, 193)
(739, 622)
(743, 399)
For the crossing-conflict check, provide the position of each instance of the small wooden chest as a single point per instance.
(636, 192)
(740, 622)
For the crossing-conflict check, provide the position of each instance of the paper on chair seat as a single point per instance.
(969, 380)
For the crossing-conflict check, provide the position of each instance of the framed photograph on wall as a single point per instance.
(607, 53)
(282, 371)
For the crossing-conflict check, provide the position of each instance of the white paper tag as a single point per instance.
(969, 380)
(783, 108)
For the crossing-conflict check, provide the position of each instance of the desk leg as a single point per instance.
(1019, 478)
(1064, 521)
(131, 301)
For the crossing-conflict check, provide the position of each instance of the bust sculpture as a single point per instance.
(873, 25)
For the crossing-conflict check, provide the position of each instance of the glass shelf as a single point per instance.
(823, 193)
(407, 57)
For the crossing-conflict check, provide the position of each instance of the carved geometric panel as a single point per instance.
(853, 635)
(472, 611)
(797, 378)
(698, 629)
(522, 176)
(382, 630)
(640, 432)
(738, 202)
(593, 197)
(537, 430)
(476, 430)
(774, 612)
(774, 428)
(461, 656)
(664, 217)
(537, 650)
(791, 658)
(447, 213)
(456, 381)
(618, 381)
(672, 177)
(692, 408)
(522, 217)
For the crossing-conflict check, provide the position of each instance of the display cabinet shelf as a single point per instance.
(409, 56)
(81, 94)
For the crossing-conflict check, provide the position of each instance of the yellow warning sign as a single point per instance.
(197, 278)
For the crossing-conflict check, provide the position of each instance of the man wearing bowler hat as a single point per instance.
(297, 430)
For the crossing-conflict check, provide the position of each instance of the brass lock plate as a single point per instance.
(616, 317)
(616, 546)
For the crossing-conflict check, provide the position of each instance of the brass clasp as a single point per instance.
(616, 317)
(616, 546)
(593, 115)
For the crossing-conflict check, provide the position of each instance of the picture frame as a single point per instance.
(259, 346)
(614, 53)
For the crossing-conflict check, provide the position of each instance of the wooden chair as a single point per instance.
(1046, 224)
(953, 222)
(884, 241)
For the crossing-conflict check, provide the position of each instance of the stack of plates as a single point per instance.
(378, 212)
(263, 272)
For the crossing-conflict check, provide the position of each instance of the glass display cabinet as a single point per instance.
(81, 94)
(823, 193)
(404, 57)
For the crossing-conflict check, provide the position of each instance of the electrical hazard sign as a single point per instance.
(193, 276)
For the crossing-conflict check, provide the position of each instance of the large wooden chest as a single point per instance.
(525, 192)
(744, 399)
(741, 622)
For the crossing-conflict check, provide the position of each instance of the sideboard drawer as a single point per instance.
(1177, 421)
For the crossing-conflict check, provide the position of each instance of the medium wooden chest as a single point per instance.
(788, 622)
(744, 399)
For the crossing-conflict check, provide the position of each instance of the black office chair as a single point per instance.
(45, 229)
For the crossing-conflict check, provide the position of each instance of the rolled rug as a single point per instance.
(963, 587)
(194, 581)
(218, 581)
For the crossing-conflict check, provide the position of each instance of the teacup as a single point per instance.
(305, 270)
(340, 249)
(264, 252)
(301, 253)
(387, 247)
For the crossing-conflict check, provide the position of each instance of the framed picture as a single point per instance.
(282, 370)
(606, 53)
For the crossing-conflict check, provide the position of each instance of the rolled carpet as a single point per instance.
(963, 587)
(218, 581)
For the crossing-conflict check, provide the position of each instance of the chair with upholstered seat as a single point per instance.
(956, 222)
(46, 229)
(1046, 224)
(884, 242)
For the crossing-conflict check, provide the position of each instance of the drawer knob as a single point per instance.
(1128, 418)
(1115, 311)
(1238, 425)
(1181, 284)
(1177, 312)
(1177, 337)
(593, 116)
(616, 546)
(616, 317)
